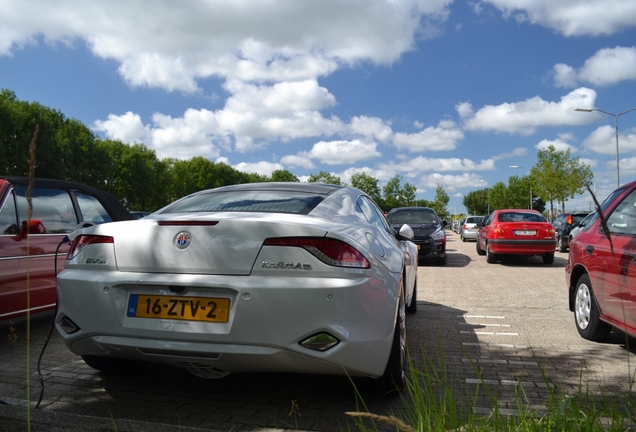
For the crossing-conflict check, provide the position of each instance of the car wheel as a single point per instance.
(114, 365)
(490, 257)
(586, 312)
(394, 377)
(412, 308)
(548, 259)
(463, 239)
(560, 245)
(480, 251)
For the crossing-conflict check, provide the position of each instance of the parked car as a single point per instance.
(430, 237)
(601, 269)
(516, 232)
(581, 226)
(28, 247)
(470, 228)
(563, 225)
(263, 277)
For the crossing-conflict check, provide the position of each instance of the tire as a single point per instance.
(490, 257)
(412, 308)
(463, 238)
(480, 251)
(586, 312)
(114, 365)
(562, 247)
(394, 377)
(548, 259)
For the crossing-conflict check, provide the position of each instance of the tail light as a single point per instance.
(568, 219)
(330, 251)
(498, 231)
(82, 241)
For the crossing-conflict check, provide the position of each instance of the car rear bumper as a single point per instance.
(522, 247)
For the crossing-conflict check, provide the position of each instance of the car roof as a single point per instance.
(111, 202)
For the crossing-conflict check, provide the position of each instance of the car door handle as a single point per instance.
(589, 249)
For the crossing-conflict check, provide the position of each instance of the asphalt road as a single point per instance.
(485, 329)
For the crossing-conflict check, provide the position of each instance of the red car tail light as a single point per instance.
(330, 251)
(498, 231)
(84, 240)
(568, 219)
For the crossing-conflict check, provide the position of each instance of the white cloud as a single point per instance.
(516, 152)
(343, 152)
(606, 67)
(371, 127)
(572, 17)
(526, 116)
(453, 182)
(443, 137)
(300, 161)
(250, 41)
(262, 168)
(603, 140)
(558, 144)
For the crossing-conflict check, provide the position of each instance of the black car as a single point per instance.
(563, 224)
(430, 236)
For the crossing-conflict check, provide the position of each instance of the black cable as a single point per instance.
(48, 338)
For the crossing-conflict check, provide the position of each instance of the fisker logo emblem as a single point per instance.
(182, 240)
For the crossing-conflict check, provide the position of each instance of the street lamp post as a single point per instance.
(517, 166)
(616, 116)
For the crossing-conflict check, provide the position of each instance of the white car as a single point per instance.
(262, 277)
(469, 230)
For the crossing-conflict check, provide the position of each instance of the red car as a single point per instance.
(516, 232)
(601, 269)
(28, 248)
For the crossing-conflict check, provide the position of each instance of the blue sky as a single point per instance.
(436, 91)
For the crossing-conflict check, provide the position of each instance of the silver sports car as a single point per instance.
(272, 277)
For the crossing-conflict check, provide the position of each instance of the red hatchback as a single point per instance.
(516, 232)
(601, 269)
(28, 248)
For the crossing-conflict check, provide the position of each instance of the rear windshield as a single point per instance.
(248, 201)
(422, 216)
(520, 217)
(474, 220)
(578, 218)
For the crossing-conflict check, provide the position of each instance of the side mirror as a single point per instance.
(406, 232)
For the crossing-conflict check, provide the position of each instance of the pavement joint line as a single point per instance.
(481, 316)
(501, 361)
(508, 383)
(484, 324)
(487, 333)
(480, 344)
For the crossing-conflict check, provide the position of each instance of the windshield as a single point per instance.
(414, 216)
(247, 201)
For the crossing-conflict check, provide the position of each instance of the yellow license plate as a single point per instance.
(418, 247)
(179, 308)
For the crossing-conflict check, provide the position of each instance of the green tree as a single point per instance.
(498, 196)
(476, 202)
(558, 176)
(367, 184)
(283, 176)
(324, 177)
(396, 195)
(441, 202)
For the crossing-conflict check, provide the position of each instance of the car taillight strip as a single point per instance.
(84, 240)
(330, 251)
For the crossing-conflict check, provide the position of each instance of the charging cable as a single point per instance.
(67, 239)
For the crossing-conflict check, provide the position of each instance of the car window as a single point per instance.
(372, 214)
(53, 207)
(422, 216)
(474, 220)
(92, 210)
(520, 217)
(8, 216)
(248, 201)
(623, 218)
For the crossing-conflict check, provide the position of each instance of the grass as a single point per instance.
(433, 402)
